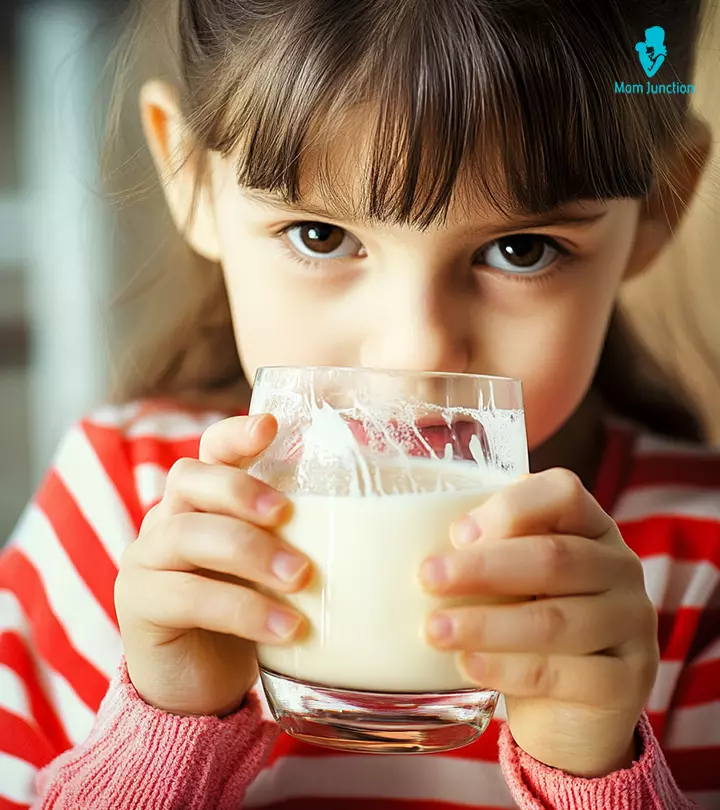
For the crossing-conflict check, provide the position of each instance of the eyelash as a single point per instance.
(307, 264)
(560, 265)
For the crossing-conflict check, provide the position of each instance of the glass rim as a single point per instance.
(397, 372)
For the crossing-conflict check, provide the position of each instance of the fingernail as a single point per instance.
(283, 624)
(434, 571)
(440, 628)
(269, 502)
(253, 422)
(287, 566)
(465, 531)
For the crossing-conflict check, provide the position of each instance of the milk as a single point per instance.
(365, 604)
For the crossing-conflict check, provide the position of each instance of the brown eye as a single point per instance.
(523, 254)
(319, 240)
(522, 251)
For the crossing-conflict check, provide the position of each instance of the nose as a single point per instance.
(419, 327)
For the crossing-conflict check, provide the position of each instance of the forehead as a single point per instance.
(349, 161)
(334, 186)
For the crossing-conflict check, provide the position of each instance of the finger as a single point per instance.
(551, 502)
(188, 601)
(594, 680)
(237, 440)
(549, 564)
(195, 485)
(575, 625)
(152, 518)
(193, 540)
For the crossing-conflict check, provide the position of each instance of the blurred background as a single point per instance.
(69, 243)
(59, 257)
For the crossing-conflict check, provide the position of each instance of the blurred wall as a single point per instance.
(14, 328)
(56, 263)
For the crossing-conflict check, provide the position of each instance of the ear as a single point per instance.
(662, 212)
(189, 196)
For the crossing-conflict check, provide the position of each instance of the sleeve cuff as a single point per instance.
(646, 785)
(138, 757)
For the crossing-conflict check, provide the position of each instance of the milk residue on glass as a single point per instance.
(330, 460)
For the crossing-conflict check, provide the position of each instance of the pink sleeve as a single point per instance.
(647, 785)
(140, 758)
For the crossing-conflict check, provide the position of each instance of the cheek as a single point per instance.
(275, 321)
(271, 327)
(554, 351)
(556, 385)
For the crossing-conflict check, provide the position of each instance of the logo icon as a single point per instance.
(653, 51)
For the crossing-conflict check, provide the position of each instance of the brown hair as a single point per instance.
(519, 96)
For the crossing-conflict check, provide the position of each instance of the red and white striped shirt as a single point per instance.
(60, 645)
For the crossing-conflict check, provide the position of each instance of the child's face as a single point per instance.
(481, 294)
(307, 288)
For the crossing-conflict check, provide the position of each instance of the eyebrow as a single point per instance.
(270, 200)
(558, 220)
(554, 218)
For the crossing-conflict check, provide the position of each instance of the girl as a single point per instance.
(450, 186)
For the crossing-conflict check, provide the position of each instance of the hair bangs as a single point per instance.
(460, 102)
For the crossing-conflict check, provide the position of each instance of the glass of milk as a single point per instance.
(378, 464)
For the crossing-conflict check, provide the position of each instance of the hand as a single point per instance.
(188, 614)
(577, 657)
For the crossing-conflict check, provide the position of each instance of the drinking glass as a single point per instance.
(378, 464)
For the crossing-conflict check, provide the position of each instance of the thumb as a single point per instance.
(236, 441)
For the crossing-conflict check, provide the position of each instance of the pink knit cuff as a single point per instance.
(140, 758)
(646, 785)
